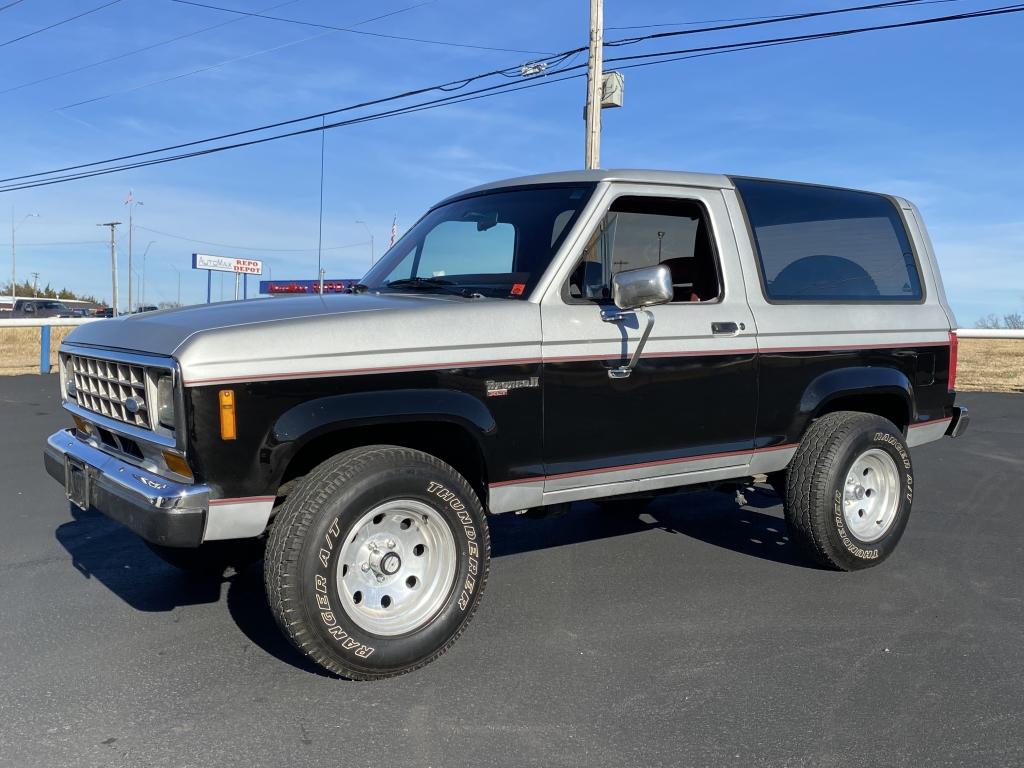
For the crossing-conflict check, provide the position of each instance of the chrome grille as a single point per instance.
(108, 388)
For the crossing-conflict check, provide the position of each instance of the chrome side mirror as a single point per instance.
(644, 287)
(632, 291)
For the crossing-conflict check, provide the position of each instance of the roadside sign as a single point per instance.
(227, 264)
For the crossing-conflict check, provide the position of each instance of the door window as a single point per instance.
(643, 232)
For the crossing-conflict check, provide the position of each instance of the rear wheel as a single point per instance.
(849, 490)
(377, 561)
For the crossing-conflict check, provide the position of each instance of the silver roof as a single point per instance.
(636, 176)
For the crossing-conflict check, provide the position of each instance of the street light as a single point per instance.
(360, 221)
(142, 290)
(14, 260)
(132, 204)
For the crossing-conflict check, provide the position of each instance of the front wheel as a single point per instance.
(849, 490)
(376, 563)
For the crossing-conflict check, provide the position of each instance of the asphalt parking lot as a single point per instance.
(687, 634)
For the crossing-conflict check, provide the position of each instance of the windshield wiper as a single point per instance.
(435, 284)
(418, 282)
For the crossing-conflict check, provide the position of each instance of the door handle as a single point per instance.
(727, 329)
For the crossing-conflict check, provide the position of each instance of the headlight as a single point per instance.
(165, 401)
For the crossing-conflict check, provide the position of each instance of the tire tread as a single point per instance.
(284, 548)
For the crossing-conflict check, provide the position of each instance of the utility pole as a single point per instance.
(113, 266)
(595, 85)
(35, 284)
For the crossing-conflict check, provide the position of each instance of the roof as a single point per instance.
(682, 178)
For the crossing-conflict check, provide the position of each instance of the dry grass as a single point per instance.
(19, 349)
(986, 365)
(991, 365)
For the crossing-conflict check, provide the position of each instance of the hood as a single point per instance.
(165, 331)
(301, 336)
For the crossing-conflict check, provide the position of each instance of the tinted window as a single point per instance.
(643, 232)
(824, 244)
(496, 244)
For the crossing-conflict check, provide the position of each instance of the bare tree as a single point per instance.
(1013, 320)
(988, 321)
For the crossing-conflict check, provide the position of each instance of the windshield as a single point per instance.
(496, 244)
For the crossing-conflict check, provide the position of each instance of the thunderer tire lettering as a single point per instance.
(323, 601)
(853, 549)
(452, 500)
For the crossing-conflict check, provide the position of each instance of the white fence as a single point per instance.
(48, 322)
(990, 333)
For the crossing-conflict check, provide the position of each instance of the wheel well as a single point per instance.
(888, 406)
(449, 442)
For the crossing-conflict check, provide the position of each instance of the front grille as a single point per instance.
(112, 389)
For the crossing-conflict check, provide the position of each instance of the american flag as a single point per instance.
(394, 231)
(130, 197)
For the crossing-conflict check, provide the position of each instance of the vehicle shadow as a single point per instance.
(712, 517)
(106, 551)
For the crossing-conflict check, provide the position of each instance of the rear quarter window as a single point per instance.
(827, 244)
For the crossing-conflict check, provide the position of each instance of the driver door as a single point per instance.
(686, 412)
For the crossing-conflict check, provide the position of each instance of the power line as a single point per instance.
(446, 43)
(58, 23)
(449, 86)
(999, 11)
(770, 20)
(246, 247)
(143, 49)
(10, 4)
(65, 242)
(745, 18)
(209, 67)
(550, 61)
(472, 95)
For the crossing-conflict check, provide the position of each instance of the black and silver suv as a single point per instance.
(526, 344)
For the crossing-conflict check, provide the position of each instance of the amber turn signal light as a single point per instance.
(227, 414)
(177, 464)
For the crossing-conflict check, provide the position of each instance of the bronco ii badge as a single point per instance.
(501, 388)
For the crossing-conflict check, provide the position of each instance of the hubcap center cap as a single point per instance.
(390, 563)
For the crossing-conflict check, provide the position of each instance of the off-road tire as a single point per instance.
(301, 566)
(815, 483)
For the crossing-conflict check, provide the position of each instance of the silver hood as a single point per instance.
(292, 337)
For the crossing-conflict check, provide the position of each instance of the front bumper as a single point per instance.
(159, 510)
(960, 422)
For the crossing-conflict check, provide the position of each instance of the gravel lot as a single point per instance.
(689, 634)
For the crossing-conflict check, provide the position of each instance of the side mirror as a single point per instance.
(644, 287)
(632, 290)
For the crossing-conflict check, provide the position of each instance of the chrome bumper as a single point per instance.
(159, 510)
(960, 422)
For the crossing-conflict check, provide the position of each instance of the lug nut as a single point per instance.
(391, 543)
(365, 566)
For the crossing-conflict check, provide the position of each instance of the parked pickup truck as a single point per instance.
(39, 308)
(527, 344)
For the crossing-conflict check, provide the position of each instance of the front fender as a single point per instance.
(308, 420)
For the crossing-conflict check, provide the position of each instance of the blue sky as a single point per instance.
(929, 113)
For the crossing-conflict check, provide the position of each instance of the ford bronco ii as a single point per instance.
(526, 344)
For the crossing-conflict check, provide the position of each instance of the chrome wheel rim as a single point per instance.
(397, 567)
(871, 496)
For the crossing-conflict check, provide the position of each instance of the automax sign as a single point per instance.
(226, 264)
